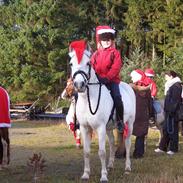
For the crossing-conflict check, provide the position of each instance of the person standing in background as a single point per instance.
(173, 91)
(143, 110)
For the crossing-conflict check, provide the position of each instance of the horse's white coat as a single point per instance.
(89, 122)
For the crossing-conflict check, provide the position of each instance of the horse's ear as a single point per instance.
(88, 47)
(70, 49)
(71, 52)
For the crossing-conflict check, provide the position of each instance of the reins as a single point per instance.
(86, 79)
(98, 101)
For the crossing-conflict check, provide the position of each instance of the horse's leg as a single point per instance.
(128, 146)
(111, 146)
(86, 136)
(6, 143)
(101, 131)
(120, 151)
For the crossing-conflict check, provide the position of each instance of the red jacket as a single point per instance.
(153, 88)
(4, 108)
(148, 81)
(107, 63)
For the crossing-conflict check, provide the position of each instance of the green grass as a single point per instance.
(64, 163)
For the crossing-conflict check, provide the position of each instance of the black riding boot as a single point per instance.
(120, 114)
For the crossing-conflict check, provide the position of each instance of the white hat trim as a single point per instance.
(101, 31)
(135, 76)
(149, 74)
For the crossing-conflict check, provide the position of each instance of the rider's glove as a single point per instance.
(103, 80)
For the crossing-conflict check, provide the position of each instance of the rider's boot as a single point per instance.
(120, 114)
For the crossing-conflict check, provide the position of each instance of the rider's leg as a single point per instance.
(115, 92)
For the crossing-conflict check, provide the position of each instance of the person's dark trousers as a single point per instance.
(118, 103)
(170, 137)
(115, 93)
(139, 147)
(174, 138)
(164, 142)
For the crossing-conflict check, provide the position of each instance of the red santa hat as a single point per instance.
(79, 48)
(4, 108)
(138, 76)
(149, 72)
(103, 29)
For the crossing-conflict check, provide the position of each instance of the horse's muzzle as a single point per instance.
(80, 86)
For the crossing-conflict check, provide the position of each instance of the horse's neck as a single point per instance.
(93, 77)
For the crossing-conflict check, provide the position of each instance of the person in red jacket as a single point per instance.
(4, 109)
(150, 74)
(107, 64)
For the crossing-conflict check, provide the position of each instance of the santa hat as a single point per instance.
(103, 29)
(149, 72)
(78, 48)
(137, 75)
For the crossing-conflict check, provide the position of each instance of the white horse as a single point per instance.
(93, 109)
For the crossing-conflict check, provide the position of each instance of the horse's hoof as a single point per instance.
(85, 178)
(104, 181)
(127, 172)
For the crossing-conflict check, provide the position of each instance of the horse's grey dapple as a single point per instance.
(94, 106)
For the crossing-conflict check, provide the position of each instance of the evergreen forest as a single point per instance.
(35, 36)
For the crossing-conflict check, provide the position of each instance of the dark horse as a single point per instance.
(4, 128)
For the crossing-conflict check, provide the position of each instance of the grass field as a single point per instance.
(64, 163)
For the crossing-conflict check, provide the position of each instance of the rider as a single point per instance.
(107, 64)
(150, 74)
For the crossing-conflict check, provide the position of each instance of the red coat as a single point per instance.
(107, 63)
(4, 108)
(148, 81)
(153, 89)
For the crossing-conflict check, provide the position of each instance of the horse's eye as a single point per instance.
(70, 64)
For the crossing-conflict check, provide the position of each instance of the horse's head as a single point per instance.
(80, 53)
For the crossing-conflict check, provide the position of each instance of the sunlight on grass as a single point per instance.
(65, 163)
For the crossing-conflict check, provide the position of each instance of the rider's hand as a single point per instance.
(103, 80)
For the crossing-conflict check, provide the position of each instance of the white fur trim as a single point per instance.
(150, 75)
(101, 31)
(5, 125)
(171, 82)
(135, 76)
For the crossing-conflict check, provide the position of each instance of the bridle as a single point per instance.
(86, 78)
